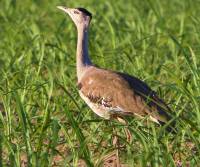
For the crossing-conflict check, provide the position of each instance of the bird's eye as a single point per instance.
(76, 12)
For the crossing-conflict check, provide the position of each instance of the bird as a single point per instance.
(111, 94)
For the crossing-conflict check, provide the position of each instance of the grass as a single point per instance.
(43, 121)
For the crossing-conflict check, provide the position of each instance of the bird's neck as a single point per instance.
(82, 57)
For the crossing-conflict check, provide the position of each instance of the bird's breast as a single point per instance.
(98, 109)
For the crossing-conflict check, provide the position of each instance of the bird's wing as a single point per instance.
(157, 106)
(122, 94)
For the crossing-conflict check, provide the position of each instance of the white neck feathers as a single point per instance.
(82, 57)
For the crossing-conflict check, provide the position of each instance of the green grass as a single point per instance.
(43, 121)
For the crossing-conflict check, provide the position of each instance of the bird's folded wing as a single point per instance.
(122, 94)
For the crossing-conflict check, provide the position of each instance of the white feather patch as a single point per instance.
(154, 119)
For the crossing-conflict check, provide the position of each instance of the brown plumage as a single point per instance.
(117, 93)
(107, 92)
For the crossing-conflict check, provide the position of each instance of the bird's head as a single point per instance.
(80, 16)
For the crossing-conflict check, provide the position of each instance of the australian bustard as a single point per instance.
(108, 93)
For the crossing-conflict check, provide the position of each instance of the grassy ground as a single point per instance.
(43, 121)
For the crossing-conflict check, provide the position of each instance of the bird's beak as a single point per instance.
(63, 8)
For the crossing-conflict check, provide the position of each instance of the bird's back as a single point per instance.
(111, 92)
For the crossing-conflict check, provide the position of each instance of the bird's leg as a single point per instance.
(115, 141)
(116, 144)
(127, 132)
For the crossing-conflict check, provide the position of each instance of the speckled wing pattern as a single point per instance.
(107, 92)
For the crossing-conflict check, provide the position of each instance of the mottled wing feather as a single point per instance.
(158, 107)
(122, 93)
